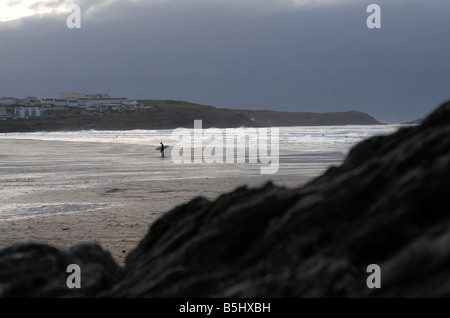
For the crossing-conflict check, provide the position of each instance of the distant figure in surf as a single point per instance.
(162, 149)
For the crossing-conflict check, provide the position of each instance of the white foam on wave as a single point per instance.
(297, 139)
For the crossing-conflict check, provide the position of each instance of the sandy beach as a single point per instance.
(63, 193)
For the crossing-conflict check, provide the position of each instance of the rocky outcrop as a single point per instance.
(38, 270)
(387, 204)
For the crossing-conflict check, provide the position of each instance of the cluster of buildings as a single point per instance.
(11, 107)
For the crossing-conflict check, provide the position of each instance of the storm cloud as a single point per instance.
(285, 55)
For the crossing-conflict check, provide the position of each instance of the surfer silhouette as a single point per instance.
(162, 149)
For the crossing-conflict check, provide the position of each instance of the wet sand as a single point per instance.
(63, 193)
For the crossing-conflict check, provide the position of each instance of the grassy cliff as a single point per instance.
(185, 113)
(166, 114)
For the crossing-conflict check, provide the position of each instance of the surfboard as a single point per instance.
(159, 148)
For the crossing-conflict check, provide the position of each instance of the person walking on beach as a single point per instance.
(162, 149)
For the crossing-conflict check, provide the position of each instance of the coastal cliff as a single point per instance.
(166, 114)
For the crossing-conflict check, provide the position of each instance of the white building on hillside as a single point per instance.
(129, 102)
(48, 101)
(26, 112)
(60, 102)
(85, 103)
(72, 103)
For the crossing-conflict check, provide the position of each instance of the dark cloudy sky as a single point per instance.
(287, 55)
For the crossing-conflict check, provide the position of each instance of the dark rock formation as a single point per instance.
(387, 204)
(38, 270)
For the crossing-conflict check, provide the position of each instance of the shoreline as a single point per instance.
(118, 190)
(117, 229)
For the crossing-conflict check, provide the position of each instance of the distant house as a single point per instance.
(129, 102)
(48, 101)
(85, 103)
(31, 106)
(72, 103)
(7, 112)
(26, 112)
(60, 102)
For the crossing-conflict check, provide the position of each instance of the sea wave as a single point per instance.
(296, 139)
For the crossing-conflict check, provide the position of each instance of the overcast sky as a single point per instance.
(286, 55)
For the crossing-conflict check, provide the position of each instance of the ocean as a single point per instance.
(305, 139)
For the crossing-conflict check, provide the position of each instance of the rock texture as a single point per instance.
(38, 270)
(387, 204)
